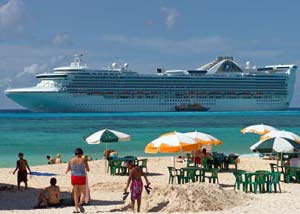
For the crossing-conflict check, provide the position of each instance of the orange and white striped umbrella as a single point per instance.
(203, 138)
(258, 129)
(282, 134)
(172, 142)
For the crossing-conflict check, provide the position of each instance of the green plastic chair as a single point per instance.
(173, 175)
(187, 175)
(204, 163)
(261, 181)
(119, 169)
(275, 181)
(239, 179)
(249, 183)
(142, 163)
(213, 175)
(188, 156)
(111, 165)
(274, 167)
(231, 161)
(199, 174)
(190, 163)
(291, 172)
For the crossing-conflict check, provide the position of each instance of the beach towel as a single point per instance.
(136, 189)
(43, 174)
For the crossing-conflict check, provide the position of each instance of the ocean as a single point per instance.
(41, 134)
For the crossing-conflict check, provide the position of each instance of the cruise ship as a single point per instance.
(221, 85)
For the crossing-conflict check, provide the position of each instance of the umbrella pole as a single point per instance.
(174, 161)
(105, 168)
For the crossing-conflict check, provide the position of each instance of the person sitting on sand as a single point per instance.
(58, 159)
(22, 166)
(50, 196)
(50, 160)
(136, 187)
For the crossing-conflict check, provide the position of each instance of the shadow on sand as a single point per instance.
(153, 174)
(25, 199)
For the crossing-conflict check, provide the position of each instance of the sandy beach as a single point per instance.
(106, 191)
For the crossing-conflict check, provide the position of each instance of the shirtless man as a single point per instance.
(49, 196)
(22, 167)
(136, 187)
(50, 160)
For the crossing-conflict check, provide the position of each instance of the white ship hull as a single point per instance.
(66, 102)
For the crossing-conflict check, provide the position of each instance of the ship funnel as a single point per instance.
(248, 65)
(114, 65)
(125, 66)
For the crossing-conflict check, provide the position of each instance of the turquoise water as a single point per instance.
(41, 134)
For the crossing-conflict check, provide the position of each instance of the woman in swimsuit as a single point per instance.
(78, 167)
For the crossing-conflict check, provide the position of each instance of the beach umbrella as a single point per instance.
(281, 134)
(203, 138)
(107, 136)
(258, 129)
(173, 142)
(276, 144)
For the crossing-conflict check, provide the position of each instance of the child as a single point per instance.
(22, 171)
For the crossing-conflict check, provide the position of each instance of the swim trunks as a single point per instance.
(136, 189)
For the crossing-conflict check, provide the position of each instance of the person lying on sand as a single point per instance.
(22, 166)
(50, 160)
(136, 188)
(50, 196)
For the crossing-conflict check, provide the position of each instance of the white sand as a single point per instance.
(107, 191)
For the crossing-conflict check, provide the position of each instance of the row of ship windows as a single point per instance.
(159, 78)
(191, 97)
(138, 103)
(122, 84)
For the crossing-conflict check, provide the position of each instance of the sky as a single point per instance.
(36, 36)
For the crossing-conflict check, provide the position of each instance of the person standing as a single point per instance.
(78, 167)
(22, 166)
(136, 187)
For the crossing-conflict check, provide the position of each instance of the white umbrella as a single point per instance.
(107, 136)
(203, 138)
(173, 142)
(276, 144)
(282, 134)
(258, 129)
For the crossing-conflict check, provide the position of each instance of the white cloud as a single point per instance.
(171, 15)
(62, 39)
(190, 45)
(5, 82)
(12, 15)
(41, 68)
